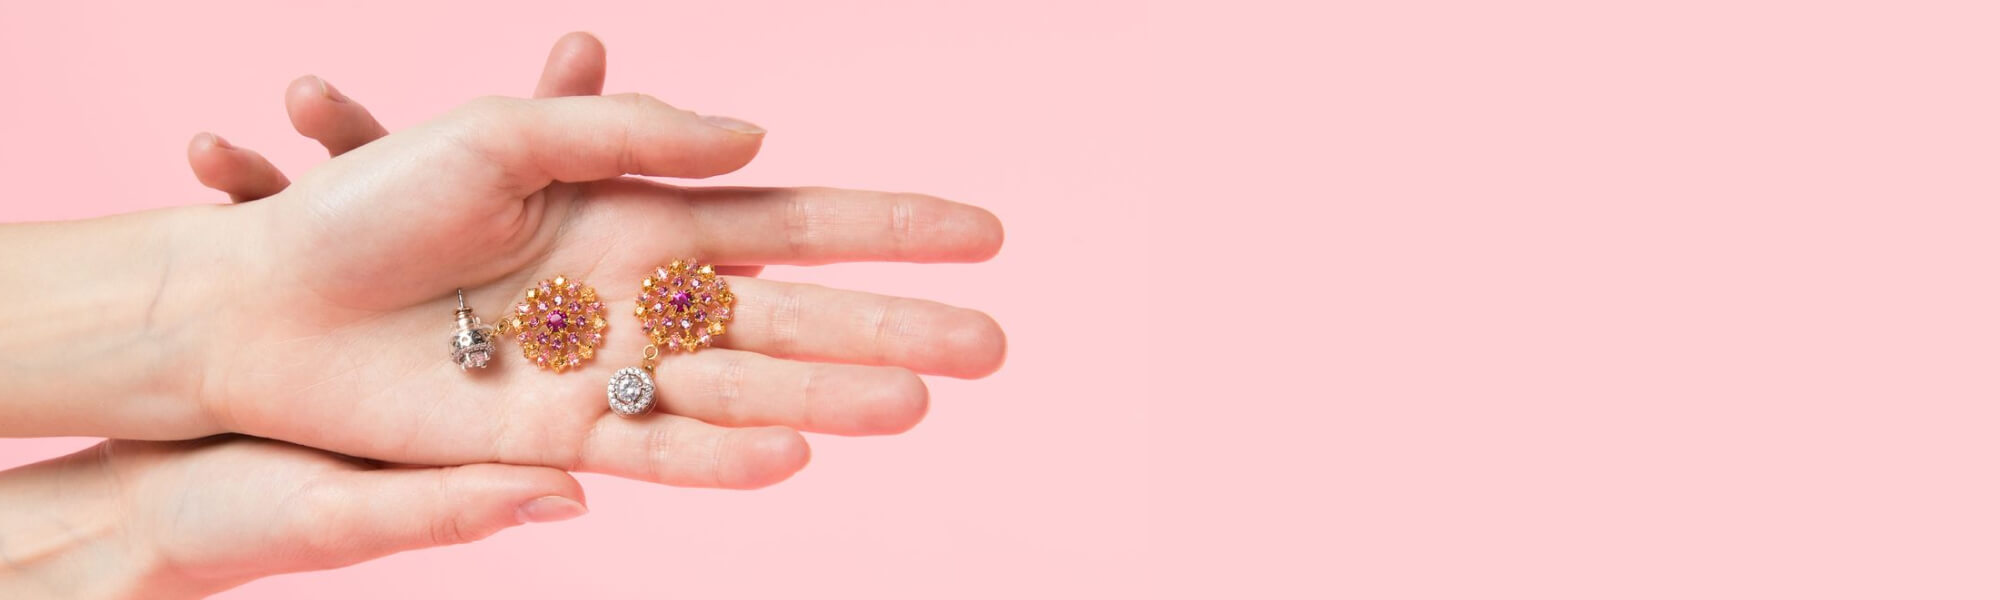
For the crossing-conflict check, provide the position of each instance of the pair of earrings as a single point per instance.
(681, 307)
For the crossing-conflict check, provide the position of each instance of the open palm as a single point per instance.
(341, 344)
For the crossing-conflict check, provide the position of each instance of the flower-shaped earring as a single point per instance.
(559, 324)
(682, 307)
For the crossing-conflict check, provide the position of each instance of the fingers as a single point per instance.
(586, 138)
(575, 67)
(804, 226)
(680, 451)
(321, 112)
(735, 388)
(809, 322)
(350, 517)
(239, 172)
(825, 225)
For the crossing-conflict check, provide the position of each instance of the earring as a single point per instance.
(471, 340)
(559, 324)
(682, 307)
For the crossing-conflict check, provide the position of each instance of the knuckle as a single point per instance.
(799, 226)
(728, 391)
(640, 101)
(450, 528)
(886, 320)
(785, 317)
(902, 223)
(809, 391)
(315, 523)
(488, 106)
(660, 448)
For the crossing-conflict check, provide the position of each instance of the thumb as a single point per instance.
(364, 515)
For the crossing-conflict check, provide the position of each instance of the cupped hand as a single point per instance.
(188, 518)
(332, 333)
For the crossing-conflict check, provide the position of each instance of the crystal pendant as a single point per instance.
(630, 392)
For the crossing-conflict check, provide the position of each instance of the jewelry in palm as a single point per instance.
(471, 340)
(682, 307)
(559, 324)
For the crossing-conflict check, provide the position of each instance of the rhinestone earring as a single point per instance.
(559, 324)
(471, 340)
(682, 307)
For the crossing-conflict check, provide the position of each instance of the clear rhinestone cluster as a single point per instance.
(630, 391)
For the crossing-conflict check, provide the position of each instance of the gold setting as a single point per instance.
(683, 307)
(559, 324)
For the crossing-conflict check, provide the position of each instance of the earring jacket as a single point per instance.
(471, 340)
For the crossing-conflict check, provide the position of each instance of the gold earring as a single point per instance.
(682, 307)
(559, 324)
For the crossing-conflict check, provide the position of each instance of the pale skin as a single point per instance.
(300, 333)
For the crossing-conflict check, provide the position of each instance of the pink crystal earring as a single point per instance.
(559, 324)
(682, 307)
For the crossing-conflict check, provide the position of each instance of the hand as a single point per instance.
(183, 519)
(319, 111)
(347, 353)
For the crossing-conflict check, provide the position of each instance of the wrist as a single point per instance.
(68, 535)
(102, 335)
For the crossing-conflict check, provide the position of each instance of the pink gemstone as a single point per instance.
(661, 273)
(523, 308)
(704, 339)
(678, 282)
(721, 312)
(720, 283)
(596, 339)
(597, 307)
(558, 300)
(673, 343)
(556, 320)
(686, 324)
(658, 308)
(541, 361)
(700, 316)
(705, 299)
(681, 301)
(570, 287)
(695, 283)
(541, 307)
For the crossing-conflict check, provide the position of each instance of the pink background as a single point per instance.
(1424, 299)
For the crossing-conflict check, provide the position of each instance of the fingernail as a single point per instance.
(733, 124)
(218, 141)
(327, 89)
(549, 509)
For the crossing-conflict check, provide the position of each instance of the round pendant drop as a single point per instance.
(630, 392)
